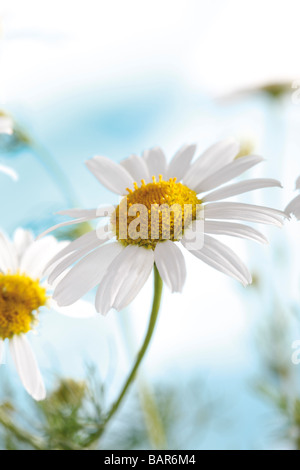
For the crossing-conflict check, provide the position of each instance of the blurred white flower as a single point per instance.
(23, 295)
(6, 124)
(121, 267)
(294, 206)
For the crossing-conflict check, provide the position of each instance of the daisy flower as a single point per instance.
(23, 296)
(119, 264)
(294, 205)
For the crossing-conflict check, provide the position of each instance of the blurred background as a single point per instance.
(115, 78)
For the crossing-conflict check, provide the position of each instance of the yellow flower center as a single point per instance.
(155, 212)
(20, 299)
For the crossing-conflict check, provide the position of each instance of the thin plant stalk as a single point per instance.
(158, 287)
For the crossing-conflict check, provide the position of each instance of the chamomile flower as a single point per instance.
(120, 263)
(23, 296)
(294, 205)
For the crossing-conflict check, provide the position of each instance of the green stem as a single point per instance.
(151, 414)
(158, 286)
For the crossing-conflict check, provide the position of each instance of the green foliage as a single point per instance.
(64, 421)
(280, 384)
(72, 418)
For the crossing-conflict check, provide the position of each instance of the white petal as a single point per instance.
(80, 309)
(210, 258)
(214, 158)
(88, 214)
(298, 183)
(222, 258)
(8, 255)
(112, 175)
(38, 255)
(58, 268)
(294, 207)
(75, 256)
(137, 168)
(247, 212)
(86, 274)
(22, 240)
(124, 278)
(81, 243)
(27, 367)
(240, 188)
(180, 163)
(83, 215)
(156, 162)
(62, 224)
(9, 171)
(171, 265)
(234, 230)
(227, 173)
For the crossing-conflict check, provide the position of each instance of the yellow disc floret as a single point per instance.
(155, 212)
(20, 299)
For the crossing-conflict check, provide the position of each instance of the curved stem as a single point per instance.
(158, 285)
(151, 414)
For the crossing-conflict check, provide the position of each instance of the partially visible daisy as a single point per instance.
(23, 296)
(120, 265)
(294, 205)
